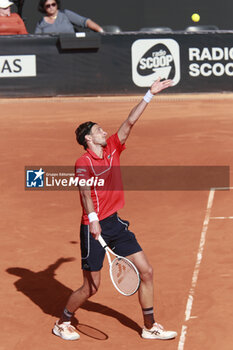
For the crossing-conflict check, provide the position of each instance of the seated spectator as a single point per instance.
(10, 23)
(57, 21)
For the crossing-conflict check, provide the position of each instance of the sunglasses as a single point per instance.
(54, 4)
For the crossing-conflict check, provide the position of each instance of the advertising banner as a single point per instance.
(106, 64)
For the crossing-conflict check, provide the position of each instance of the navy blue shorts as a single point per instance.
(116, 234)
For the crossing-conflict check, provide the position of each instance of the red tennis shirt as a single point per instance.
(104, 178)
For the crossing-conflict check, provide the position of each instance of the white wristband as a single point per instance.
(93, 217)
(148, 96)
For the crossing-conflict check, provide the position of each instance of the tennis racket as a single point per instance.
(124, 274)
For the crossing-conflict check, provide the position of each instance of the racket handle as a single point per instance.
(102, 241)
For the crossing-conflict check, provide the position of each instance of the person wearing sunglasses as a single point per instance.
(10, 23)
(57, 21)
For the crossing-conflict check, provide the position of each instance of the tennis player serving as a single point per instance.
(100, 217)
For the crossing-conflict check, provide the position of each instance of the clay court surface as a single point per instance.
(187, 235)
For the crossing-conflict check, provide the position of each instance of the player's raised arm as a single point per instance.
(137, 111)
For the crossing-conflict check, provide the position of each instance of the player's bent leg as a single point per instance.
(146, 290)
(151, 329)
(91, 282)
(63, 327)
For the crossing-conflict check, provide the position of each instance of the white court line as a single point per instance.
(221, 217)
(196, 269)
(198, 262)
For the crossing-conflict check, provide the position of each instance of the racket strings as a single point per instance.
(125, 276)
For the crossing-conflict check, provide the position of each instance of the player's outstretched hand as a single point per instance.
(159, 85)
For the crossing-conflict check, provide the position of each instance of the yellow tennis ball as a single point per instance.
(195, 17)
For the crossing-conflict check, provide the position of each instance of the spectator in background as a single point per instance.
(57, 21)
(10, 23)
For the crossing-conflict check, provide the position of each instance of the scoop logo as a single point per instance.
(154, 58)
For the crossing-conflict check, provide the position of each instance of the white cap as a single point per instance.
(5, 3)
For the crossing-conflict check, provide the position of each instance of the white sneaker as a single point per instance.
(65, 331)
(157, 332)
